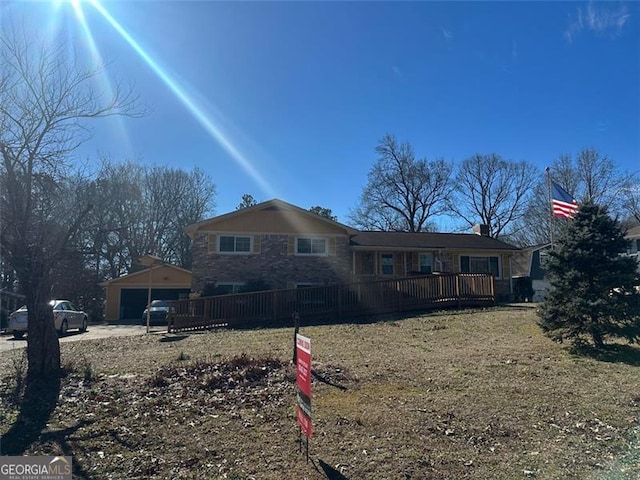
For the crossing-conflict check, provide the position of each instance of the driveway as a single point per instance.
(7, 342)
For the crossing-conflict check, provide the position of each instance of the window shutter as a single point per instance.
(256, 243)
(332, 246)
(211, 245)
(291, 245)
(415, 262)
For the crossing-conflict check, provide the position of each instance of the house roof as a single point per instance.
(144, 272)
(521, 263)
(367, 240)
(633, 232)
(269, 205)
(430, 241)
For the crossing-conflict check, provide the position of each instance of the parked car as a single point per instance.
(159, 312)
(65, 317)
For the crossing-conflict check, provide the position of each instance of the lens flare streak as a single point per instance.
(99, 61)
(186, 100)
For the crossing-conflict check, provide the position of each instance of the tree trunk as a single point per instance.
(598, 341)
(43, 346)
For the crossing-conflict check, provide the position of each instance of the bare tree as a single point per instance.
(403, 193)
(118, 212)
(141, 210)
(535, 225)
(187, 197)
(632, 194)
(45, 100)
(588, 177)
(492, 191)
(598, 180)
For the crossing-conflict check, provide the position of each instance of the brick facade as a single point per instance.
(273, 264)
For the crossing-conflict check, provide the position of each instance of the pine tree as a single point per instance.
(593, 288)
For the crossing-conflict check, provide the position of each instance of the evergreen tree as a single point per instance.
(593, 288)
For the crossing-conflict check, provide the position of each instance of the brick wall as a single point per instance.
(272, 264)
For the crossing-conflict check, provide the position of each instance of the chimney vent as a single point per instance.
(481, 229)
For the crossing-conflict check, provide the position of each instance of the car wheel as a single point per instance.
(18, 335)
(63, 328)
(83, 328)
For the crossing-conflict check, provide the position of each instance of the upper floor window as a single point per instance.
(234, 244)
(311, 246)
(471, 264)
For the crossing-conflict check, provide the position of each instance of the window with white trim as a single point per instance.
(386, 263)
(311, 246)
(426, 262)
(234, 244)
(478, 264)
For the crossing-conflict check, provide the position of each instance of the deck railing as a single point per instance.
(333, 301)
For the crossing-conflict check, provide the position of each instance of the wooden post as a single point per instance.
(492, 288)
(296, 322)
(274, 306)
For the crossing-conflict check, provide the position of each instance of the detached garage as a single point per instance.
(127, 295)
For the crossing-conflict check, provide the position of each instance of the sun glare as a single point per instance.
(98, 61)
(199, 113)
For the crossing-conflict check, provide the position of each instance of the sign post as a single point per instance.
(303, 380)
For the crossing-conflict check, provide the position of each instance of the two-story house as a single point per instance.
(284, 246)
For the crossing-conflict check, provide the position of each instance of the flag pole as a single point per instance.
(548, 170)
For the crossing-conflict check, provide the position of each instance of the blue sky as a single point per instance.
(288, 99)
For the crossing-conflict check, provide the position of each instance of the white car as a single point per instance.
(65, 317)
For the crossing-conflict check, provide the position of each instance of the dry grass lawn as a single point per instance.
(473, 394)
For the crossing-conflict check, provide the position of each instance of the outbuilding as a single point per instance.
(126, 296)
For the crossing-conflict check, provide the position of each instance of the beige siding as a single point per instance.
(274, 221)
(455, 261)
(161, 277)
(415, 261)
(506, 273)
(398, 263)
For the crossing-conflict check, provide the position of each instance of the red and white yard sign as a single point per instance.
(303, 354)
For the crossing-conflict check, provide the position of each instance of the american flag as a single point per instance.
(564, 205)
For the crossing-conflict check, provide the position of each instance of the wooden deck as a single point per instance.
(334, 301)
